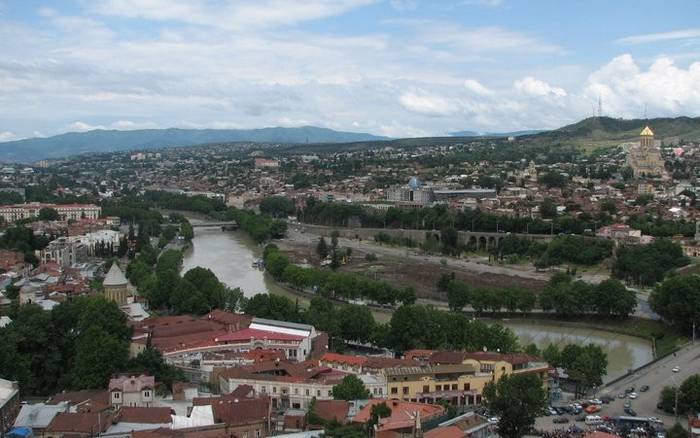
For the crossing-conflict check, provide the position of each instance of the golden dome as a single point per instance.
(647, 132)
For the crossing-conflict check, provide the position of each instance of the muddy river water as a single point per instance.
(230, 255)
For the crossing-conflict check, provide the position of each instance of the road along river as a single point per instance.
(230, 255)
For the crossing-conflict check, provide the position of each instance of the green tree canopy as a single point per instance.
(517, 400)
(350, 388)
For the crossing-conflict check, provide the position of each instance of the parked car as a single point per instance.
(607, 399)
(581, 417)
(592, 409)
(621, 395)
(633, 395)
(644, 388)
(627, 405)
(631, 412)
(676, 369)
(560, 420)
(494, 420)
(630, 389)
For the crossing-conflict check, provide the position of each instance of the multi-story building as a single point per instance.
(9, 403)
(458, 377)
(29, 210)
(128, 390)
(645, 157)
(288, 385)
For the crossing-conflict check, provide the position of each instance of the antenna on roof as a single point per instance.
(645, 112)
(600, 106)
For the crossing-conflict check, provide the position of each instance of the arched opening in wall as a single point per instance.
(437, 236)
(482, 242)
(472, 242)
(492, 242)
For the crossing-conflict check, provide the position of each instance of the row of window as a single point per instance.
(426, 388)
(307, 391)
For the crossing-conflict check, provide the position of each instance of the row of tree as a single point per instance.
(259, 226)
(79, 344)
(688, 397)
(199, 290)
(561, 295)
(648, 264)
(441, 217)
(332, 284)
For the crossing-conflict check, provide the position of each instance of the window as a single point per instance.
(308, 392)
(467, 386)
(438, 387)
(116, 395)
(426, 388)
(454, 387)
(257, 433)
(274, 390)
(318, 393)
(394, 390)
(405, 390)
(330, 393)
(296, 391)
(147, 393)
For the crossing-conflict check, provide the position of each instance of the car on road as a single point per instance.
(560, 420)
(644, 388)
(607, 399)
(494, 420)
(552, 411)
(633, 395)
(630, 389)
(621, 395)
(676, 369)
(627, 405)
(655, 420)
(631, 412)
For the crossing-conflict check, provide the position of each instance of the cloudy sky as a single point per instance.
(390, 67)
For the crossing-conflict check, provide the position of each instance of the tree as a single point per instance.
(667, 399)
(322, 248)
(547, 209)
(517, 400)
(677, 431)
(610, 297)
(277, 206)
(98, 355)
(677, 300)
(689, 397)
(458, 294)
(48, 214)
(151, 362)
(356, 323)
(380, 410)
(350, 388)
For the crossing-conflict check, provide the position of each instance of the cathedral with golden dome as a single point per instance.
(645, 157)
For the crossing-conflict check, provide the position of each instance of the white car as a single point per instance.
(494, 420)
(676, 369)
(633, 395)
(655, 420)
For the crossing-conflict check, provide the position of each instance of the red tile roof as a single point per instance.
(249, 333)
(87, 423)
(130, 414)
(401, 413)
(445, 432)
(332, 409)
(235, 412)
(344, 358)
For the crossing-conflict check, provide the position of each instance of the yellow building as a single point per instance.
(457, 377)
(645, 158)
(116, 285)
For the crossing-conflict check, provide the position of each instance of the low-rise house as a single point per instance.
(469, 425)
(77, 424)
(38, 416)
(405, 420)
(129, 419)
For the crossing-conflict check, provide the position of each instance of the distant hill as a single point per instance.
(100, 140)
(495, 134)
(603, 131)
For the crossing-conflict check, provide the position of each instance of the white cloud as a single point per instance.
(403, 5)
(665, 89)
(477, 87)
(228, 14)
(429, 105)
(661, 36)
(82, 127)
(488, 3)
(122, 125)
(536, 87)
(8, 136)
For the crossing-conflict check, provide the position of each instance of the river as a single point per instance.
(230, 256)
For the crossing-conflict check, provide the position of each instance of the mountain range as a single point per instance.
(100, 140)
(588, 133)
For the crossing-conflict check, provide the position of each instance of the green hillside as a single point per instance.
(607, 131)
